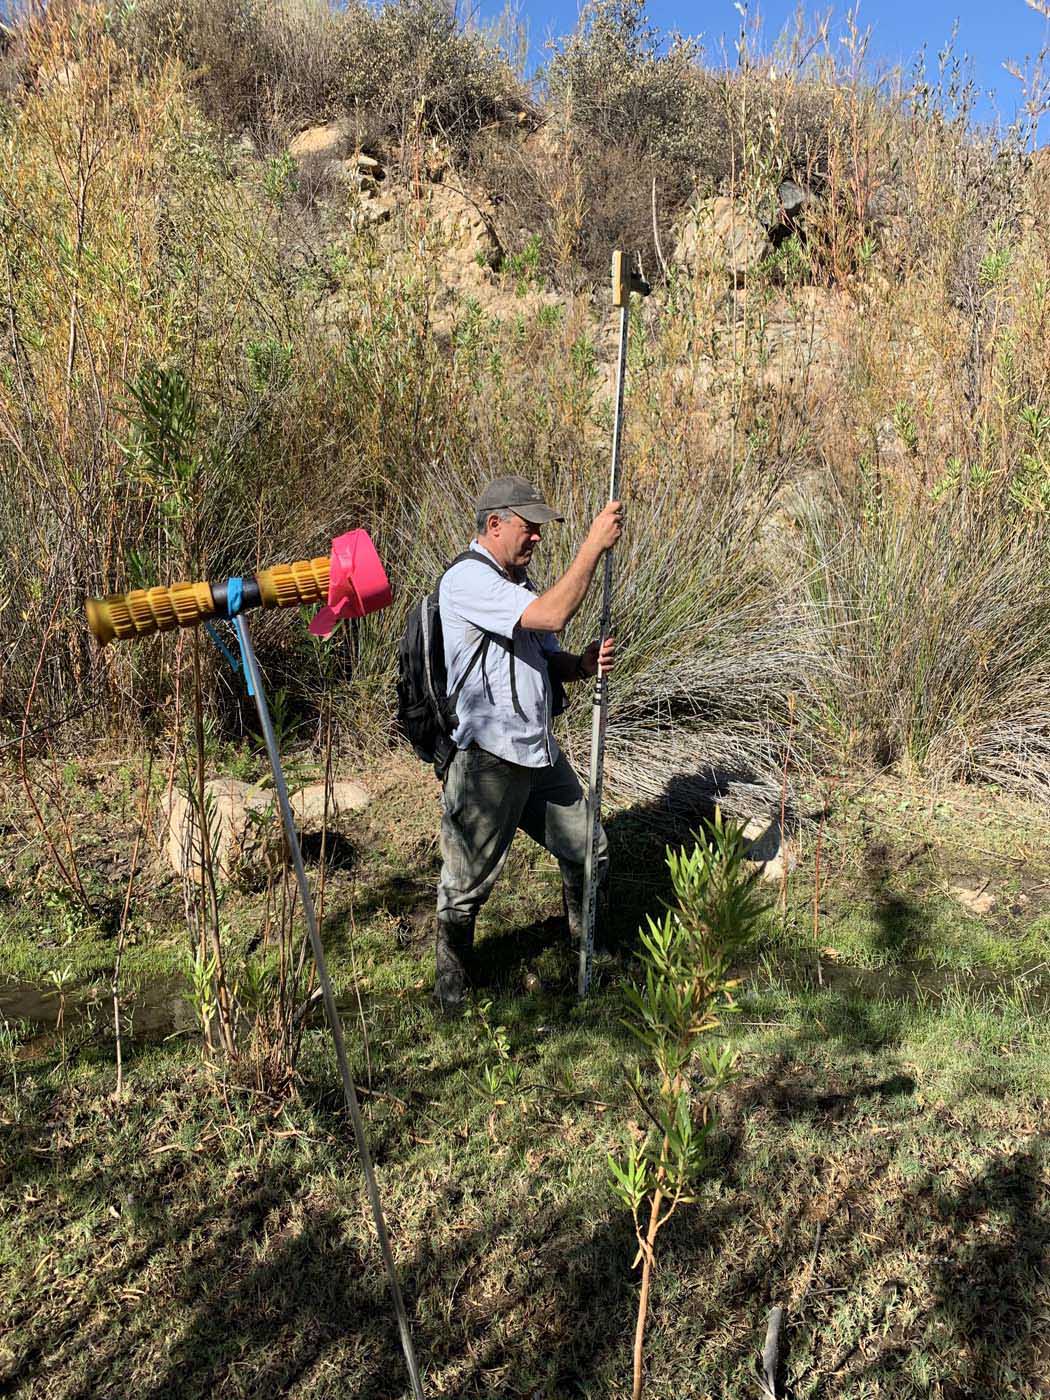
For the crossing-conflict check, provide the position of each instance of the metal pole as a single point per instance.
(331, 1010)
(600, 701)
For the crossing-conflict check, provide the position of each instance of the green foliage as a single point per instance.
(501, 1073)
(524, 266)
(687, 960)
(622, 83)
(201, 972)
(280, 178)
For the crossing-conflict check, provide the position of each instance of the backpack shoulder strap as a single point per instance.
(473, 556)
(480, 652)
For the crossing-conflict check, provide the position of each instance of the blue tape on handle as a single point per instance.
(234, 604)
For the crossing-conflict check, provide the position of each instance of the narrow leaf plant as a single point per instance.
(688, 957)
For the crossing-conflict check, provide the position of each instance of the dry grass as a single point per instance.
(889, 361)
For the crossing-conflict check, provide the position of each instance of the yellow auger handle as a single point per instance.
(122, 616)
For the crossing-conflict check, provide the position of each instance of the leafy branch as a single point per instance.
(688, 957)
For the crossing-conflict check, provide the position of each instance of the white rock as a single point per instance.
(980, 901)
(308, 804)
(241, 830)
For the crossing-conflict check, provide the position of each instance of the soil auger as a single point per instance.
(350, 583)
(626, 278)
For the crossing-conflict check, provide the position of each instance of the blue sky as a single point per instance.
(989, 32)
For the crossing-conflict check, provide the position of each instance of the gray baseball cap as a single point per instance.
(516, 494)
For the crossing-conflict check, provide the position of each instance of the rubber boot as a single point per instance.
(572, 903)
(453, 944)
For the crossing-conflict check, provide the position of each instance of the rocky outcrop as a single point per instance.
(244, 829)
(463, 220)
(723, 234)
(720, 233)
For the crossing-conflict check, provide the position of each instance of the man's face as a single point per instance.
(517, 538)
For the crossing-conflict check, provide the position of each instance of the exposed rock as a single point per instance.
(335, 141)
(794, 200)
(308, 804)
(359, 172)
(464, 221)
(240, 828)
(720, 232)
(980, 901)
(767, 848)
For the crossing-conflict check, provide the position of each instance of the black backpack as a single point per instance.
(426, 713)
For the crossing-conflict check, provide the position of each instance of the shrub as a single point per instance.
(687, 957)
(262, 65)
(428, 74)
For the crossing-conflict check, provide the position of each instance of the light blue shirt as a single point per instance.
(475, 600)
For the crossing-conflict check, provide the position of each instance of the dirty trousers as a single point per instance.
(486, 799)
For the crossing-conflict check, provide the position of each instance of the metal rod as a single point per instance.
(331, 1010)
(600, 702)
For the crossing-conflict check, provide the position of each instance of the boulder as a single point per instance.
(721, 233)
(793, 201)
(335, 141)
(242, 833)
(308, 804)
(766, 847)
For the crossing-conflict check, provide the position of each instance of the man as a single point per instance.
(507, 771)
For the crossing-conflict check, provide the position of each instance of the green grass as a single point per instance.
(880, 1169)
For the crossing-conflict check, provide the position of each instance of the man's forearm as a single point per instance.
(556, 608)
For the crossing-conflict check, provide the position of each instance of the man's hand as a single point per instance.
(607, 527)
(599, 654)
(555, 609)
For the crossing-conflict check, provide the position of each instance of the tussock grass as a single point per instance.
(930, 619)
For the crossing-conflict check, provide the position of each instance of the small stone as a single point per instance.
(980, 901)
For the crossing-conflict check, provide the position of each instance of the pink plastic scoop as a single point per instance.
(357, 582)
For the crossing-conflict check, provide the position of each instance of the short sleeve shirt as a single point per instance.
(504, 705)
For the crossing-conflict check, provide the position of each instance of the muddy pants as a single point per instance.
(486, 800)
